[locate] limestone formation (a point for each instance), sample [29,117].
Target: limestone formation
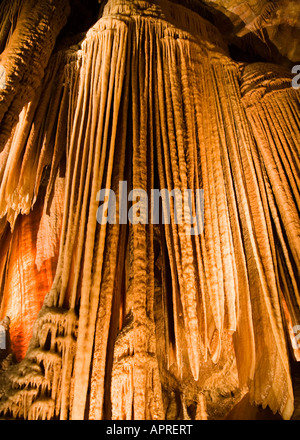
[142,321]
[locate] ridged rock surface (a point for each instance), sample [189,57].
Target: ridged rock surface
[144,321]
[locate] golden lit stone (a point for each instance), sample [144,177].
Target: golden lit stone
[144,321]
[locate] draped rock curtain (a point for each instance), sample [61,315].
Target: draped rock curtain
[125,316]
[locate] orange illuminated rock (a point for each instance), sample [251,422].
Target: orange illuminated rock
[144,321]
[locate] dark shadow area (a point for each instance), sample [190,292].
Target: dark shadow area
[245,411]
[84,14]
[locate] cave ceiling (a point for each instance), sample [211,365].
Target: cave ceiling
[254,29]
[263,28]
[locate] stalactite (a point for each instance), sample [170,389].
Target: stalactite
[9,12]
[26,56]
[274,119]
[151,97]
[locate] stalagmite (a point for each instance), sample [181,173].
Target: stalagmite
[144,321]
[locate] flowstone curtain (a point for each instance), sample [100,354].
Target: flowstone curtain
[136,312]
